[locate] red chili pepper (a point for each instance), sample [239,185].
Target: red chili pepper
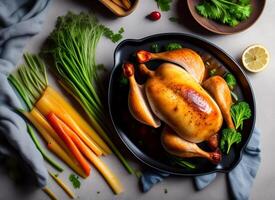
[155,15]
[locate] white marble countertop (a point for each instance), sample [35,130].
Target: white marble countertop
[136,26]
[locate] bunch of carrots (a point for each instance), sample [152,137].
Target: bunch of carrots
[63,129]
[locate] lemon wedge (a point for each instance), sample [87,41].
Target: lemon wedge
[255,58]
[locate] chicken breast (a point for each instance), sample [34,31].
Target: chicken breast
[179,100]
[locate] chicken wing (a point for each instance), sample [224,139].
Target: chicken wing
[137,101]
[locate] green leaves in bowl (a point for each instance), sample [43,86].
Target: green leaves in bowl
[230,12]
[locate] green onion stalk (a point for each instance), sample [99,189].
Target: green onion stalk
[74,41]
[30,81]
[183,163]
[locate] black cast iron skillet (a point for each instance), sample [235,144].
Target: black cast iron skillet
[146,146]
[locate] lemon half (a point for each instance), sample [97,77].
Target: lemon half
[255,58]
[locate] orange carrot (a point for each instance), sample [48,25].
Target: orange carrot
[90,155]
[45,105]
[56,123]
[77,141]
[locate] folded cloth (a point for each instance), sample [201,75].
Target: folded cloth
[19,20]
[240,178]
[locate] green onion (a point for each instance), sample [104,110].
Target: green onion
[43,153]
[74,43]
[184,163]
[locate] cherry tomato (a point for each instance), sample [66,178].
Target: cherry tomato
[155,15]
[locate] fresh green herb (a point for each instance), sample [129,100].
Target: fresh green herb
[173,19]
[121,30]
[225,11]
[213,72]
[165,191]
[230,80]
[240,112]
[229,137]
[115,37]
[123,81]
[164,5]
[173,46]
[184,163]
[75,181]
[74,41]
[155,48]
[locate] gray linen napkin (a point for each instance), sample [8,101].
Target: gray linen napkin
[240,178]
[19,20]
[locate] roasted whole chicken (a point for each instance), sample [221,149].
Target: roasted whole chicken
[177,94]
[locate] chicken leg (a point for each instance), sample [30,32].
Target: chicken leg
[219,90]
[137,101]
[186,58]
[177,146]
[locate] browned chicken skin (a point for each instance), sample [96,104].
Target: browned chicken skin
[137,102]
[186,58]
[219,90]
[173,94]
[182,148]
[179,101]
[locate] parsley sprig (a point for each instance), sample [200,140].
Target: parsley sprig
[164,5]
[115,37]
[75,181]
[230,12]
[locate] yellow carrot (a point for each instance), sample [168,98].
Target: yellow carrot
[34,114]
[110,178]
[50,193]
[62,185]
[54,146]
[53,94]
[47,106]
